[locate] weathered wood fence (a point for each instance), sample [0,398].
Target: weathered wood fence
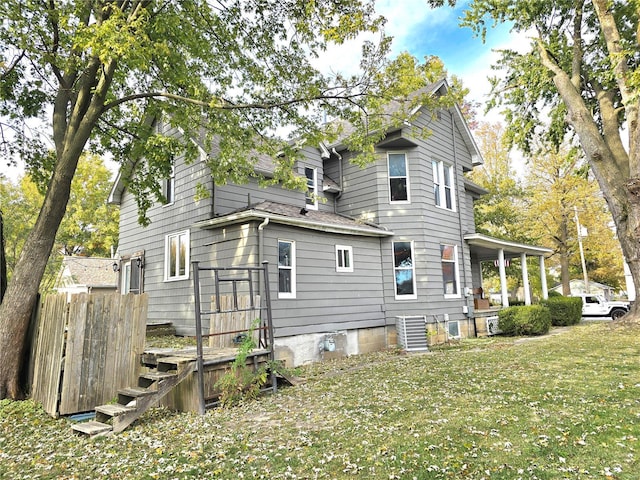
[86,349]
[234,320]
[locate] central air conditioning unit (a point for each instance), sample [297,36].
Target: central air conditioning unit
[412,333]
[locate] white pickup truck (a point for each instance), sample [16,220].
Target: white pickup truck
[598,306]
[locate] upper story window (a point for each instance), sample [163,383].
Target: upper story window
[443,185]
[344,258]
[169,186]
[450,270]
[398,177]
[404,270]
[286,269]
[311,197]
[176,256]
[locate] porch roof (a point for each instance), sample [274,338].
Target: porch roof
[486,248]
[298,217]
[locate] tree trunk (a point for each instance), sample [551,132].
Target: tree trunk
[563,249]
[3,261]
[22,292]
[629,235]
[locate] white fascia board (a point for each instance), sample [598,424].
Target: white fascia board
[249,215]
[497,243]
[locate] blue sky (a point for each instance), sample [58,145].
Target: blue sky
[421,30]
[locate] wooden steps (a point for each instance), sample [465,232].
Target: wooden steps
[163,376]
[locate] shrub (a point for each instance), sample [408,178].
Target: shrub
[242,381]
[524,320]
[564,310]
[554,293]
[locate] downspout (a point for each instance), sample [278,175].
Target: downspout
[341,175]
[212,202]
[464,269]
[261,240]
[261,250]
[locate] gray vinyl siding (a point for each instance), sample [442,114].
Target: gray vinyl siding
[364,189]
[169,301]
[231,197]
[326,300]
[421,221]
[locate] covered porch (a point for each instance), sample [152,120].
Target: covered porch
[497,251]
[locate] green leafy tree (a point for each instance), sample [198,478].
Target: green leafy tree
[561,188]
[499,213]
[227,73]
[580,76]
[89,227]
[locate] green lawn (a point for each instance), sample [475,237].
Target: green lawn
[564,406]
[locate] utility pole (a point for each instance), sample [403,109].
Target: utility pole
[584,265]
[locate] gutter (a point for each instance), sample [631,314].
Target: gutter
[248,215]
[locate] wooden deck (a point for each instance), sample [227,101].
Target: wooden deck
[216,361]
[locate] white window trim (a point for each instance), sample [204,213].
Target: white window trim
[450,322]
[167,256]
[389,177]
[125,276]
[414,296]
[456,270]
[339,254]
[314,192]
[292,267]
[438,179]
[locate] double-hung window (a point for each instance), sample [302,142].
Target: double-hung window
[398,177]
[131,275]
[286,269]
[443,183]
[344,258]
[311,197]
[404,270]
[450,273]
[169,186]
[176,256]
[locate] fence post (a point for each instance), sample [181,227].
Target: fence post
[199,352]
[267,297]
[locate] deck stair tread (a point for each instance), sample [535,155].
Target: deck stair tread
[135,392]
[175,359]
[92,428]
[158,375]
[114,409]
[134,401]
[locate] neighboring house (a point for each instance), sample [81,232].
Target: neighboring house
[393,240]
[576,287]
[86,275]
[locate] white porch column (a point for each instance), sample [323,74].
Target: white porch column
[543,279]
[525,279]
[503,279]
